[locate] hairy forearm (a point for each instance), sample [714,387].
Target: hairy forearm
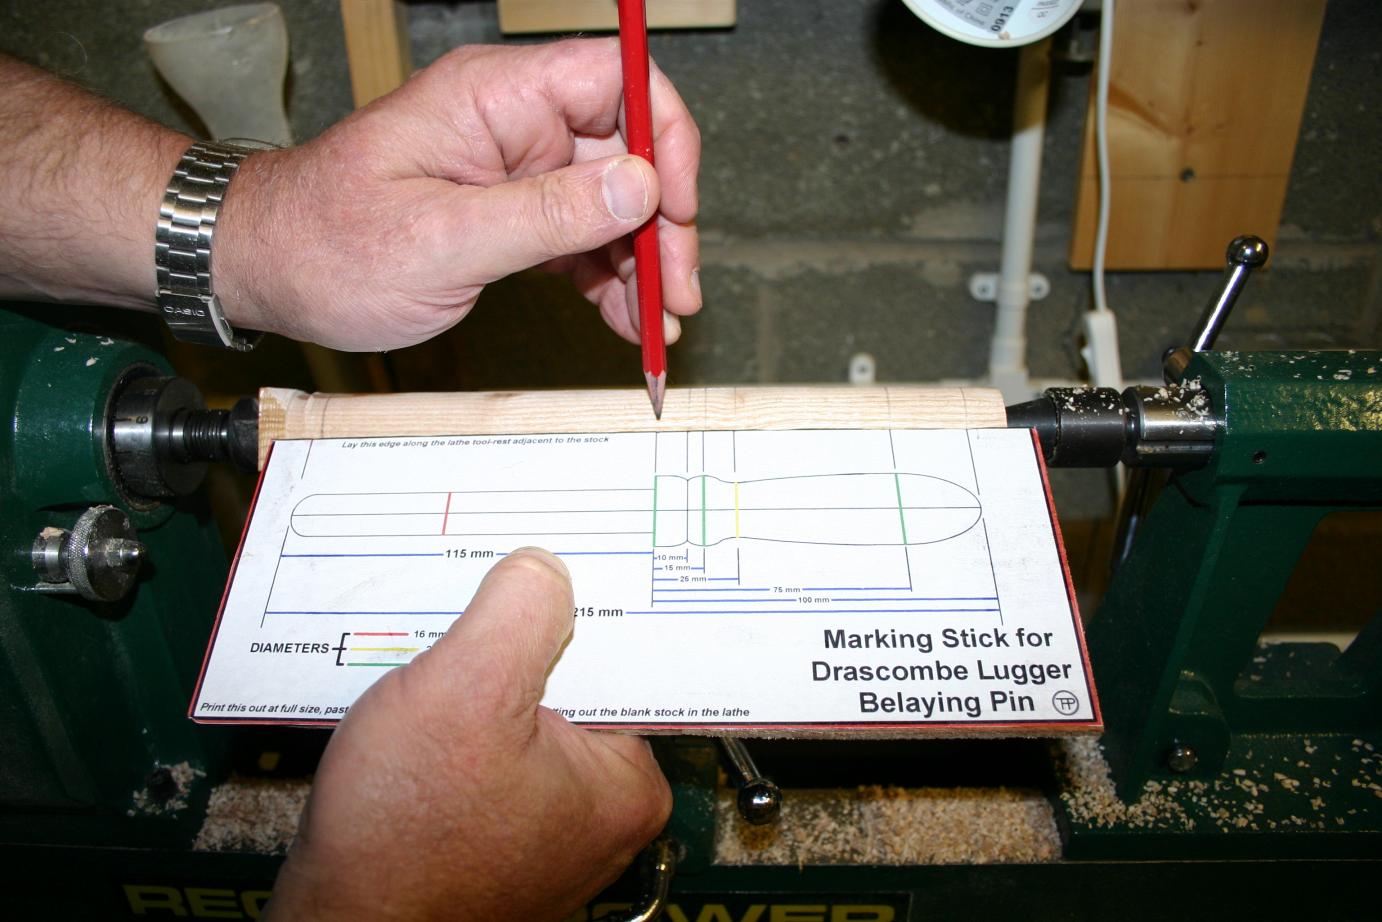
[80,192]
[382,231]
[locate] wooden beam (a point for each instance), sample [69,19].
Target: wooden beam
[1205,102]
[376,36]
[285,413]
[602,16]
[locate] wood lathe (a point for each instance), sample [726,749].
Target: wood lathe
[1225,763]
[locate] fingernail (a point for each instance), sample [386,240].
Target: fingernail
[696,284]
[547,557]
[671,327]
[625,190]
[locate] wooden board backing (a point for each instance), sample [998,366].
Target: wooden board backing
[285,413]
[1205,102]
[517,16]
[376,36]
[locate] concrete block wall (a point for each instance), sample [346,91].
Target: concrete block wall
[854,169]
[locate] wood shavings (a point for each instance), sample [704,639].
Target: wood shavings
[893,826]
[1090,796]
[1233,801]
[253,815]
[166,791]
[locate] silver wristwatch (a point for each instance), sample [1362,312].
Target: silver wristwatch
[182,247]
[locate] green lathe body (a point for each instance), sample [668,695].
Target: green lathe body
[92,697]
[1189,694]
[104,782]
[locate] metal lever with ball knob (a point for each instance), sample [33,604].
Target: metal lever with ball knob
[759,799]
[1174,426]
[1244,254]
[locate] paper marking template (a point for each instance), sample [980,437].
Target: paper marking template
[869,581]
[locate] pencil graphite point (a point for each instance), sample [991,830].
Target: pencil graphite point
[657,386]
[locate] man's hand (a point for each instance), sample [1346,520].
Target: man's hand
[382,232]
[447,792]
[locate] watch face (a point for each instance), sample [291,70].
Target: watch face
[995,23]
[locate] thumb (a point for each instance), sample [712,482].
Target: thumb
[523,223]
[499,652]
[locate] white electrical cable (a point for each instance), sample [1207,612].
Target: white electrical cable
[1100,325]
[1101,150]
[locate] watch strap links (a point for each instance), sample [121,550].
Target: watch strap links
[183,243]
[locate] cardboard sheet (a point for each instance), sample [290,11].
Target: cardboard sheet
[835,582]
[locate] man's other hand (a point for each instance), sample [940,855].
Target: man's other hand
[448,792]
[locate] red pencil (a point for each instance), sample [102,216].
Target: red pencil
[638,118]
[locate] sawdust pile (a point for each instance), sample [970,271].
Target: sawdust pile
[172,796]
[893,826]
[253,815]
[1090,796]
[1230,802]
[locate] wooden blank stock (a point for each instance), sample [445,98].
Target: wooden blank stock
[285,413]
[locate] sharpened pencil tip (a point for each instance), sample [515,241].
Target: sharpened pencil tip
[657,386]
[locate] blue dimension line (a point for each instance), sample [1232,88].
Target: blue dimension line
[437,554]
[726,589]
[724,579]
[855,588]
[364,613]
[602,553]
[804,611]
[774,601]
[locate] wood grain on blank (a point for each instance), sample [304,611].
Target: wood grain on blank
[602,15]
[285,413]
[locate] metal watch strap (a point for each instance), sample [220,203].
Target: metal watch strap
[182,247]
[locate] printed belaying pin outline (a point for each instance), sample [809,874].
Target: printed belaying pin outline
[858,509]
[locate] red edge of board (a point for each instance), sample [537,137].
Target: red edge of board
[221,609]
[1098,721]
[969,728]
